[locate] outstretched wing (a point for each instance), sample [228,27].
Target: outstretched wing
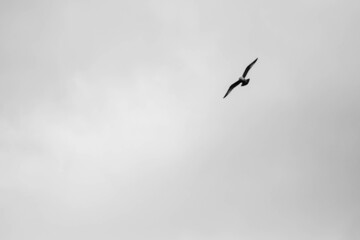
[248,68]
[232,87]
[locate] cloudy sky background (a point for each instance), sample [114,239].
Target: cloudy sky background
[113,126]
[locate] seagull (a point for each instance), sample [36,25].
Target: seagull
[242,79]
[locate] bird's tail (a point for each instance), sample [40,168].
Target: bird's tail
[244,83]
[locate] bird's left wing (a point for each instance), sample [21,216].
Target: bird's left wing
[249,67]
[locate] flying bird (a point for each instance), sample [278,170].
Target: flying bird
[242,79]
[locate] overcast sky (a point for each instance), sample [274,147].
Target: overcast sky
[113,125]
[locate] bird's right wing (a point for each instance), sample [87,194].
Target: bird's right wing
[248,68]
[231,88]
[228,91]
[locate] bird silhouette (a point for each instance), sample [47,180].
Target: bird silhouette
[242,79]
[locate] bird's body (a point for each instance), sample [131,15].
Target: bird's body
[242,79]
